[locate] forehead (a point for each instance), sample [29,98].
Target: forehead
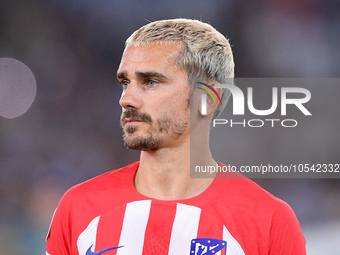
[155,56]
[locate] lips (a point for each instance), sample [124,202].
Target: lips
[132,121]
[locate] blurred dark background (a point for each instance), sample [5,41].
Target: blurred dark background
[71,132]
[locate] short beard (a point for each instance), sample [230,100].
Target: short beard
[143,143]
[154,138]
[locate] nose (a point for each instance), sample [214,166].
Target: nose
[131,97]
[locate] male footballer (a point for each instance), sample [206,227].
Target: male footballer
[153,207]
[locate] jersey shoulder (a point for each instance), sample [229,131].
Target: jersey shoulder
[246,192]
[103,187]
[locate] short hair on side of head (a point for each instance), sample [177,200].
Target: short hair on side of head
[206,54]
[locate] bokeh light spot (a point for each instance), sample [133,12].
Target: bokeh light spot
[17,88]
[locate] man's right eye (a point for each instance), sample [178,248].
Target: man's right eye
[125,84]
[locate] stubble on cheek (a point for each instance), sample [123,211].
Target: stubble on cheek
[174,129]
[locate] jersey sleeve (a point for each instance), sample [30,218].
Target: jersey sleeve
[286,234]
[58,240]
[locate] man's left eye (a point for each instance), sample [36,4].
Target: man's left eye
[152,83]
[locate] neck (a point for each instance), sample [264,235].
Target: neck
[165,174]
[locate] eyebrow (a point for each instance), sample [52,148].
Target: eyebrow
[151,74]
[122,75]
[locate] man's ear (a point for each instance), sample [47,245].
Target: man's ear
[211,104]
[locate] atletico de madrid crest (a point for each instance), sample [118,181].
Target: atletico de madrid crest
[206,246]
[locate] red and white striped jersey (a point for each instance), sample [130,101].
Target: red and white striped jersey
[233,216]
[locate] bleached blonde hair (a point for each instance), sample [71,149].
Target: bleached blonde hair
[206,54]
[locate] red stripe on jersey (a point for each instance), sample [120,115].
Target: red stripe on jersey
[158,229]
[210,227]
[107,234]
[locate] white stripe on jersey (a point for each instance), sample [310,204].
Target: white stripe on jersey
[88,237]
[133,230]
[184,229]
[233,247]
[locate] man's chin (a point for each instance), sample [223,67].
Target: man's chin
[140,147]
[142,144]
